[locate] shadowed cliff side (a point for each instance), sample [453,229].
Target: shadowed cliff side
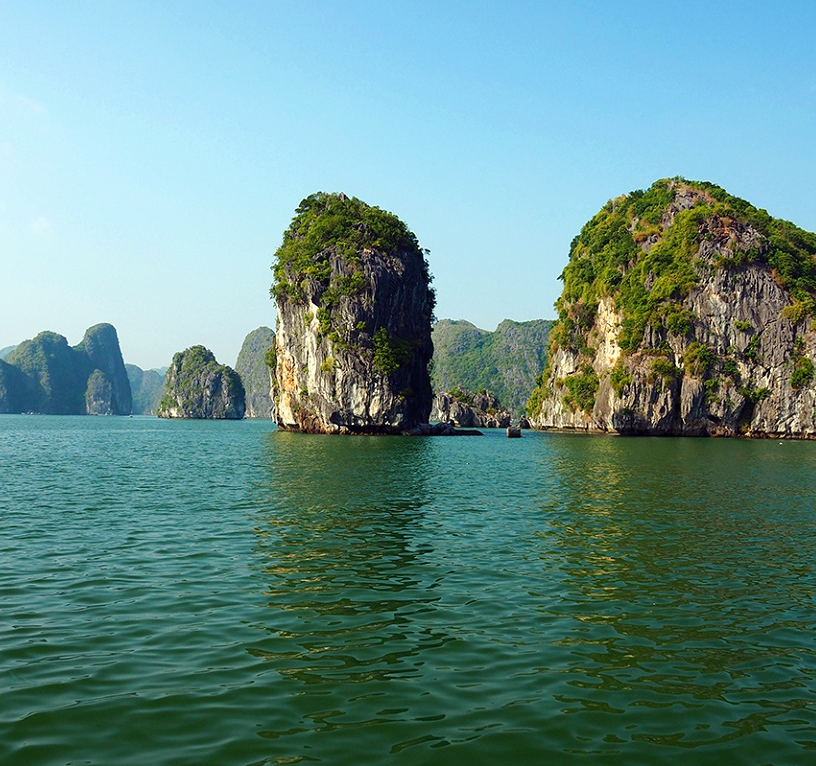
[253,367]
[353,339]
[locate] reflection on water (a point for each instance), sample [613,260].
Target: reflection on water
[691,598]
[341,552]
[559,598]
[187,592]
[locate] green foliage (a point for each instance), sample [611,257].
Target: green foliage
[802,372]
[583,388]
[799,309]
[462,395]
[712,387]
[619,378]
[754,395]
[505,361]
[698,359]
[627,251]
[743,325]
[730,369]
[752,349]
[328,365]
[333,224]
[271,358]
[664,369]
[389,353]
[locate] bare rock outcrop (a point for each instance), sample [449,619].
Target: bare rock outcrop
[685,311]
[467,409]
[353,338]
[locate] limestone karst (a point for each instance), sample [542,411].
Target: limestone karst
[685,311]
[46,375]
[198,387]
[353,338]
[256,375]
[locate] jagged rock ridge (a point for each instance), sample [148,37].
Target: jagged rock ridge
[198,387]
[685,311]
[256,374]
[353,338]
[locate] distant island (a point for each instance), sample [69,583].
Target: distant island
[198,387]
[504,362]
[48,376]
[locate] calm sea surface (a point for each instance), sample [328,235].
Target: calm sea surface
[182,592]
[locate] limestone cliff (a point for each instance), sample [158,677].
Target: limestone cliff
[147,388]
[108,388]
[196,386]
[59,379]
[256,375]
[467,409]
[685,311]
[353,338]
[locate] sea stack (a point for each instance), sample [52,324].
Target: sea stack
[355,306]
[198,387]
[108,391]
[685,311]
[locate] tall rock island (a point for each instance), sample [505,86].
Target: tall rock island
[47,375]
[256,374]
[353,338]
[685,311]
[198,387]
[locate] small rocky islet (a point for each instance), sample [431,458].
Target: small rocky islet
[198,387]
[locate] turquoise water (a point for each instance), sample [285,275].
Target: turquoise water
[181,592]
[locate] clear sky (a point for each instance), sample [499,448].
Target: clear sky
[152,153]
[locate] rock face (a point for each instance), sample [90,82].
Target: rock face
[147,388]
[256,374]
[197,387]
[505,361]
[108,389]
[685,311]
[14,387]
[58,379]
[466,409]
[353,338]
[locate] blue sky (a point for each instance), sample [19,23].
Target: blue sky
[152,153]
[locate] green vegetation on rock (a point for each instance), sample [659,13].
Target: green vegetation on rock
[645,252]
[505,361]
[328,226]
[59,379]
[648,285]
[197,386]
